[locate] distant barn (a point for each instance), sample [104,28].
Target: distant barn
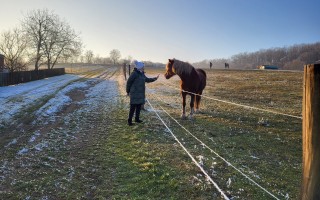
[267,67]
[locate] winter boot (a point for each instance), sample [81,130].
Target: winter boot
[138,120]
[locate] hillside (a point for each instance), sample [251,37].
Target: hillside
[286,58]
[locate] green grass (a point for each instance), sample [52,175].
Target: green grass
[118,162]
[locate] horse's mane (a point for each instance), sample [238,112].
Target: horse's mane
[181,67]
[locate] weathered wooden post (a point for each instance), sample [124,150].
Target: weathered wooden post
[311,133]
[129,69]
[124,68]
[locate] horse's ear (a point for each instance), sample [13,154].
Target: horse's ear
[171,60]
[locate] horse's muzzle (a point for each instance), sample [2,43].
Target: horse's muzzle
[167,76]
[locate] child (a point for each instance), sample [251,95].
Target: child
[136,90]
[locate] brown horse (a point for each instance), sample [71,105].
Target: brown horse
[193,81]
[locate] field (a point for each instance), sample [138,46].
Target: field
[86,150]
[263,145]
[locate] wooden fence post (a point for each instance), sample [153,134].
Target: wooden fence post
[124,69]
[311,133]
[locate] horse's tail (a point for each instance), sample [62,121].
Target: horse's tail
[203,79]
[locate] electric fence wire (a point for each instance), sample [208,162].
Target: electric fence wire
[192,158]
[222,158]
[236,104]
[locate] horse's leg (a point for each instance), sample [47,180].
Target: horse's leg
[197,103]
[192,106]
[199,100]
[183,116]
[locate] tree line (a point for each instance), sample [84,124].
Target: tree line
[286,58]
[44,39]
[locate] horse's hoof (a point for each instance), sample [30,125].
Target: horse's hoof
[183,117]
[191,117]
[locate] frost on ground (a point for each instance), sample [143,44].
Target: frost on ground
[54,125]
[61,99]
[15,98]
[70,118]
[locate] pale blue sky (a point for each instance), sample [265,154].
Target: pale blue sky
[189,30]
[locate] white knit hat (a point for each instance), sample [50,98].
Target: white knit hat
[139,65]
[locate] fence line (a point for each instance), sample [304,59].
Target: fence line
[12,78]
[218,155]
[236,104]
[192,158]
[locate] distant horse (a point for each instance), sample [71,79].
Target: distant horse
[226,65]
[193,81]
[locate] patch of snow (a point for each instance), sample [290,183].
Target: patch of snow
[34,137]
[71,173]
[14,141]
[229,182]
[55,104]
[16,97]
[101,92]
[41,146]
[39,86]
[254,157]
[201,160]
[23,151]
[287,196]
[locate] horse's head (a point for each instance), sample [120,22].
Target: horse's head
[169,71]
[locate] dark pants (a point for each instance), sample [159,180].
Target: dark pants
[137,108]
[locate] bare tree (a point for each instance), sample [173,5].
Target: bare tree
[107,61]
[129,59]
[126,60]
[96,59]
[62,43]
[13,45]
[50,37]
[88,56]
[115,55]
[81,58]
[35,25]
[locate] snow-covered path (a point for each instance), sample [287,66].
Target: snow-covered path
[44,85]
[50,91]
[17,97]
